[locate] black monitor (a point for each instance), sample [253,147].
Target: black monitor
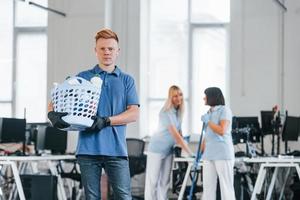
[267,118]
[33,128]
[12,130]
[238,136]
[50,138]
[291,128]
[246,122]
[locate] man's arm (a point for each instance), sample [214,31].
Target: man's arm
[128,116]
[50,106]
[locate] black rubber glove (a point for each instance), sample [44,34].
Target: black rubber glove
[99,124]
[56,119]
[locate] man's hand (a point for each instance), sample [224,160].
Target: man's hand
[205,118]
[56,119]
[99,124]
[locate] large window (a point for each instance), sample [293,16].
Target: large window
[208,68]
[23,60]
[6,57]
[186,46]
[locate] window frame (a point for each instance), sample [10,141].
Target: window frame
[192,27]
[145,76]
[16,31]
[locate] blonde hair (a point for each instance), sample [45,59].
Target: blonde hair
[169,105]
[106,34]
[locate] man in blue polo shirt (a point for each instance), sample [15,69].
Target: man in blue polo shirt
[103,145]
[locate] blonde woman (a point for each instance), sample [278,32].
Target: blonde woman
[160,157]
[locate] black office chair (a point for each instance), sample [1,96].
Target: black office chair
[136,158]
[73,174]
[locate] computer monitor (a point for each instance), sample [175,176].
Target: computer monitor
[50,138]
[247,122]
[291,129]
[267,120]
[33,128]
[12,130]
[238,137]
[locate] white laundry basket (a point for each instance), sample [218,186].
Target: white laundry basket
[79,98]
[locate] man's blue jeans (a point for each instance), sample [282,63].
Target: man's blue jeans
[117,170]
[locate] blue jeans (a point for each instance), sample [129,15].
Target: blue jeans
[117,170]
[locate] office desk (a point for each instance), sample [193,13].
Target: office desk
[188,171]
[269,162]
[12,160]
[265,162]
[16,176]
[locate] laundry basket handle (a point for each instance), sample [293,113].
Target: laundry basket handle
[75,80]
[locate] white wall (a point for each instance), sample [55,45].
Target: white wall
[292,58]
[265,63]
[261,50]
[71,42]
[71,38]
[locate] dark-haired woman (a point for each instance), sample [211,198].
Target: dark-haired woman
[217,147]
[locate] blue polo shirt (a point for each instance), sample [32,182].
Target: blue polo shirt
[219,147]
[162,141]
[118,91]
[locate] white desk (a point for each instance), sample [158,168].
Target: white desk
[11,160]
[188,171]
[16,176]
[269,162]
[265,162]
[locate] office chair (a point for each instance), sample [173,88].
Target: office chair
[73,174]
[136,158]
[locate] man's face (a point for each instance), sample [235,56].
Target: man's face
[107,51]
